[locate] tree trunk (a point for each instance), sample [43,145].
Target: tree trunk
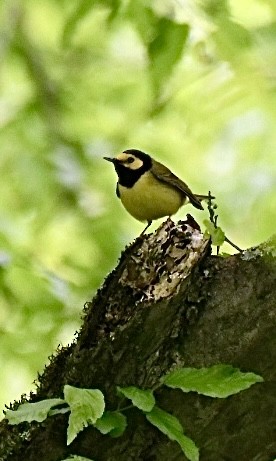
[168,303]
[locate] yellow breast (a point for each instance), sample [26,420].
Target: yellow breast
[150,198]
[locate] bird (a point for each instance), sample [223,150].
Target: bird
[148,189]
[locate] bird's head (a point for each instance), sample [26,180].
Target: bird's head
[131,159]
[131,162]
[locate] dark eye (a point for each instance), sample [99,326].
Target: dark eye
[130,160]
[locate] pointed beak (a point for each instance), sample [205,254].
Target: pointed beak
[109,159]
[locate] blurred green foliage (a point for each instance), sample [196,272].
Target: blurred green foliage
[191,82]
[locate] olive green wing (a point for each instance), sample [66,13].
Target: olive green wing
[163,173]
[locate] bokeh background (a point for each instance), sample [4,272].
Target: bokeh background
[191,82]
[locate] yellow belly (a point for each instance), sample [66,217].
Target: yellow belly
[151,199]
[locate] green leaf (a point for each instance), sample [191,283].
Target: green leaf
[37,411]
[166,48]
[82,10]
[231,39]
[217,381]
[142,399]
[172,428]
[58,411]
[87,405]
[77,458]
[144,19]
[112,422]
[216,233]
[163,38]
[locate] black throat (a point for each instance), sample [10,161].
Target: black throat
[128,177]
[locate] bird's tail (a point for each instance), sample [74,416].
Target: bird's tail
[199,199]
[204,197]
[196,200]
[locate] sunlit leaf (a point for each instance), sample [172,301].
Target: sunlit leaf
[172,428]
[77,458]
[166,49]
[112,423]
[37,411]
[58,411]
[87,405]
[142,399]
[216,381]
[164,40]
[231,38]
[216,233]
[83,9]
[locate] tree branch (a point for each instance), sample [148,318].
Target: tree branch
[167,304]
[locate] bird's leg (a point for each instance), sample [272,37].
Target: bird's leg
[147,226]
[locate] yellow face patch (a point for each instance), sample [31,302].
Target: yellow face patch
[129,161]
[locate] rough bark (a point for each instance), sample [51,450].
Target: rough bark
[168,303]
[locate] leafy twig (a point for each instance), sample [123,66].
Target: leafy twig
[220,235]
